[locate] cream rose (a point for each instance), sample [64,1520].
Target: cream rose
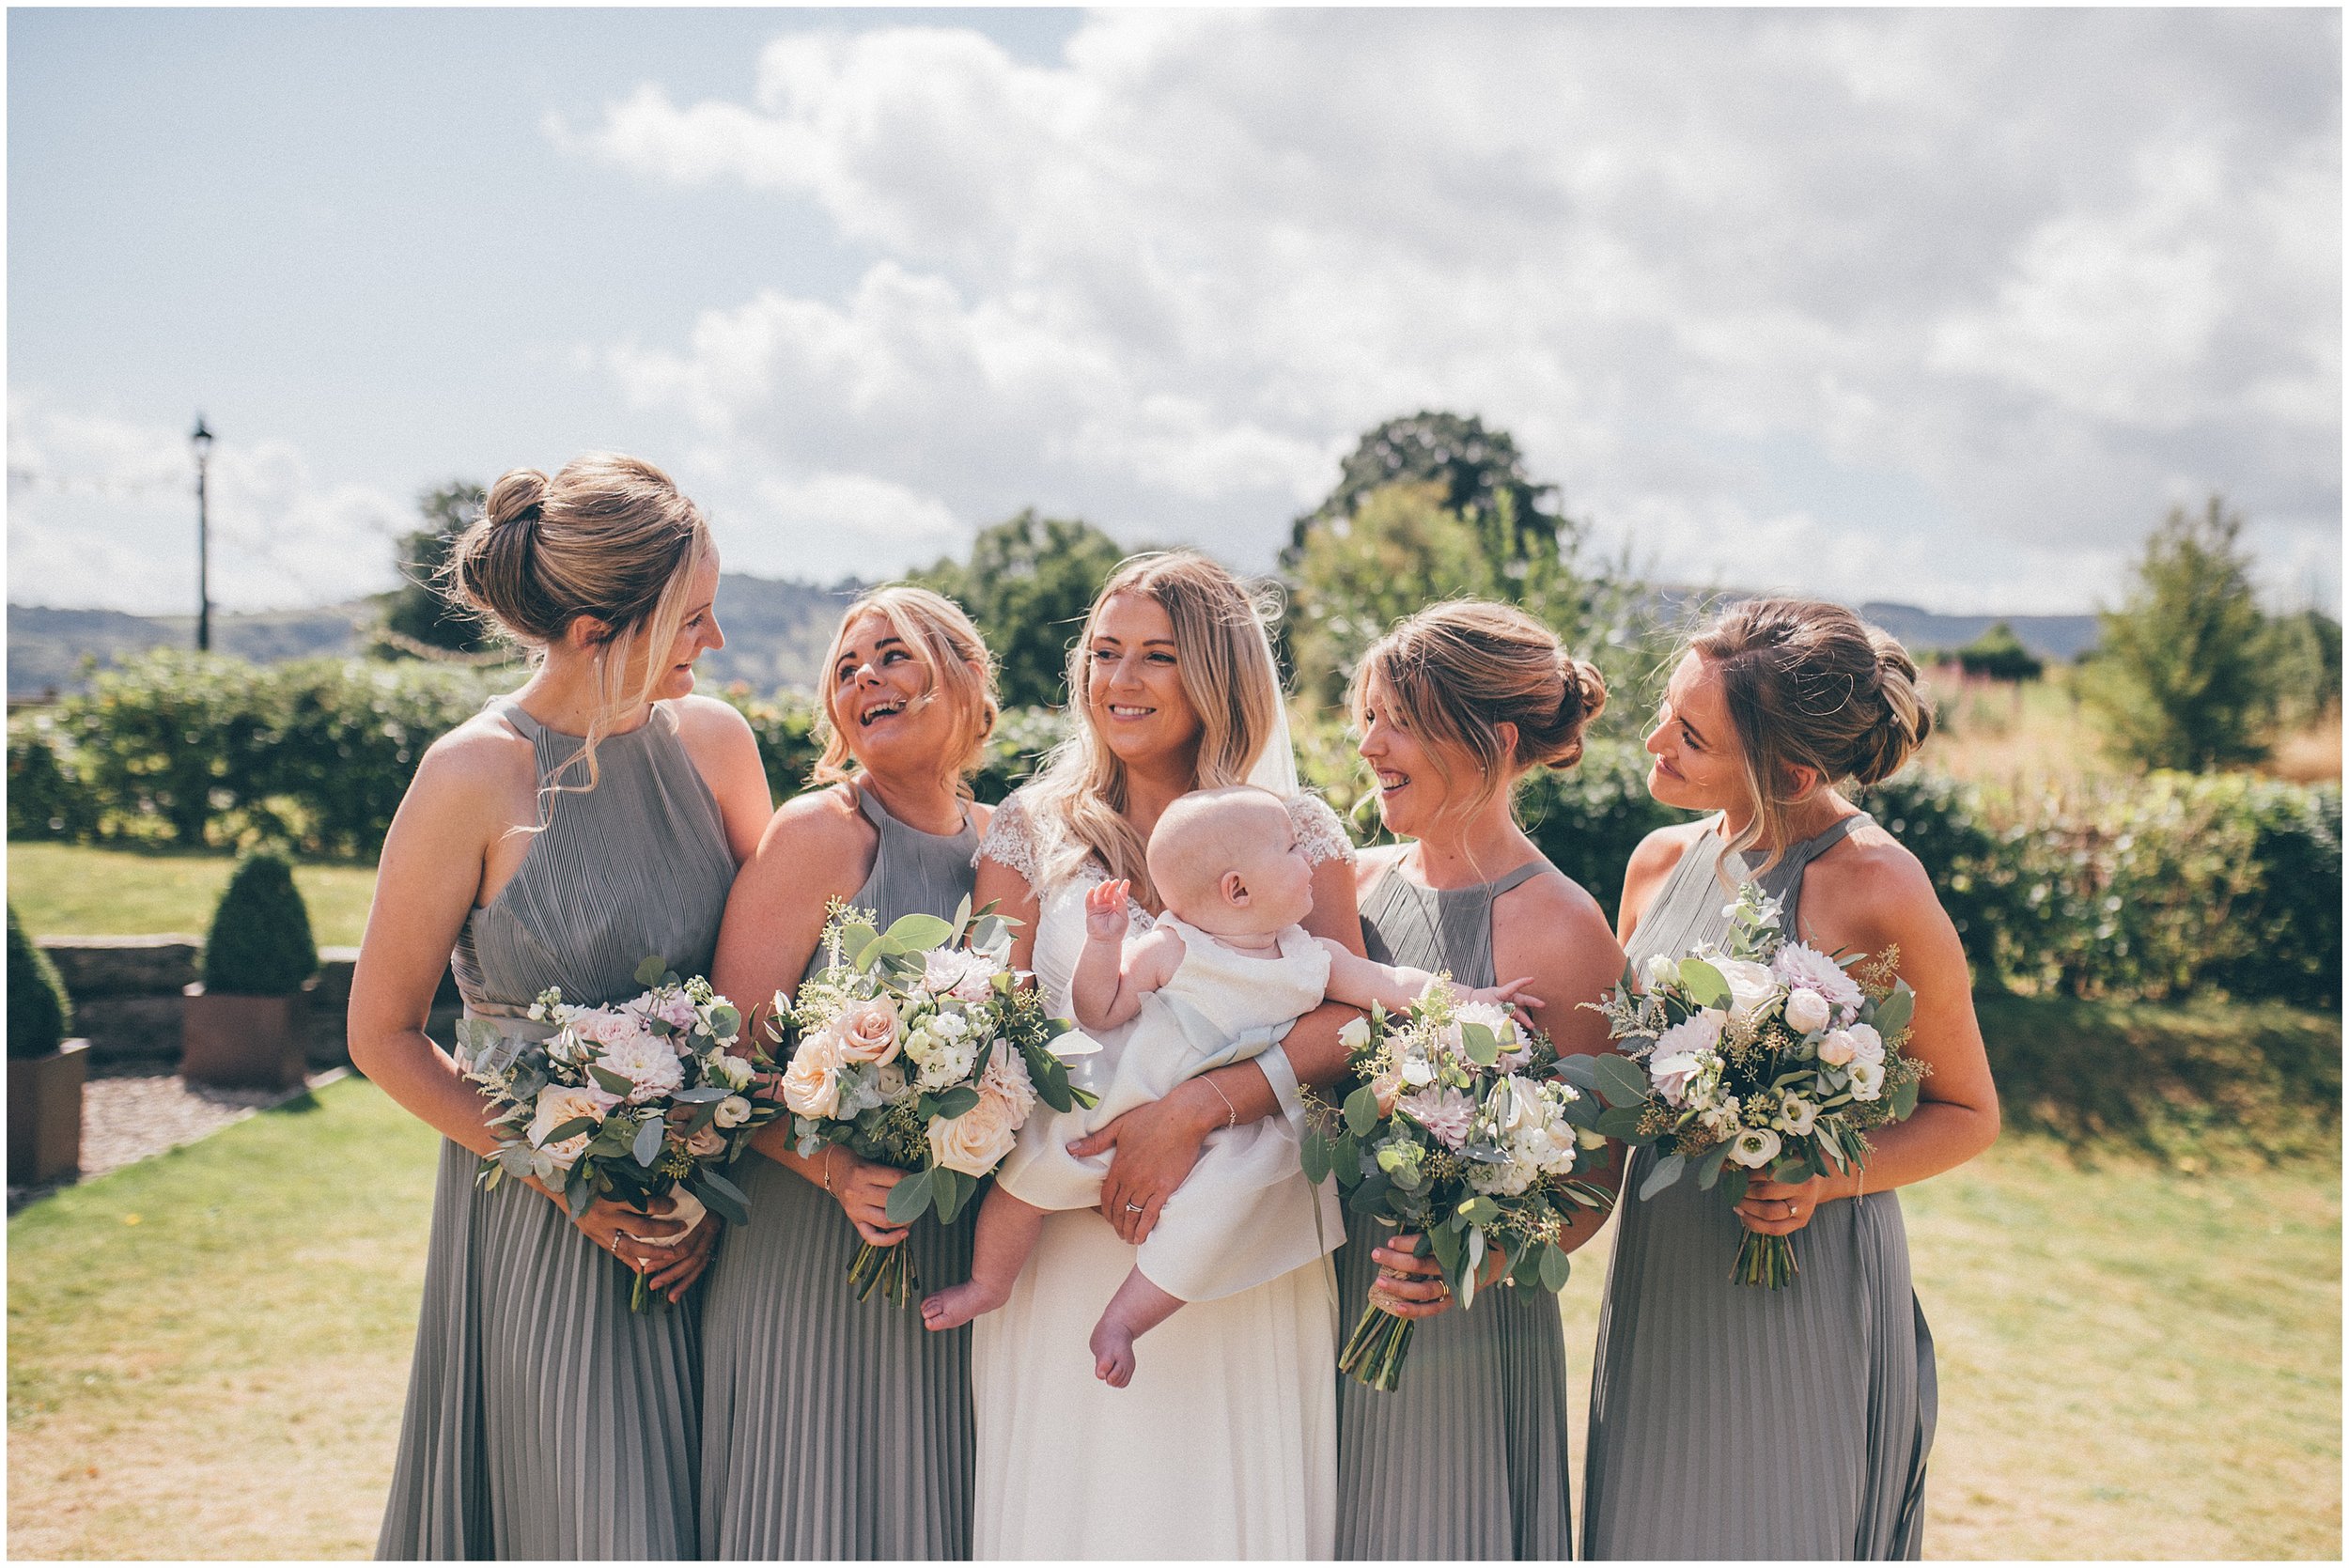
[1751,984]
[1807,1011]
[868,1031]
[976,1141]
[560,1103]
[1866,1044]
[1836,1051]
[811,1084]
[1355,1034]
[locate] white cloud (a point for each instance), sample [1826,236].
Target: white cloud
[102,512]
[1994,287]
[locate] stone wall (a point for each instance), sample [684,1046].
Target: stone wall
[126,993]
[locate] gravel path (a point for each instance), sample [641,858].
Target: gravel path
[128,1116]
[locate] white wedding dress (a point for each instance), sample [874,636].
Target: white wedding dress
[1224,1445]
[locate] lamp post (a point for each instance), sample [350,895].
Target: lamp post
[202,440]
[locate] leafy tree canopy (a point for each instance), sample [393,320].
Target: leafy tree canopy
[417,612]
[2182,674]
[2000,655]
[1027,584]
[1480,474]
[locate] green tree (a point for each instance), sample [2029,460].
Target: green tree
[2000,655]
[1400,549]
[1482,477]
[2182,677]
[2304,659]
[1027,584]
[418,611]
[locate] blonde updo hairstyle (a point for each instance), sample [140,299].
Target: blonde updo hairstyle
[1810,685]
[936,631]
[1224,660]
[1456,672]
[609,537]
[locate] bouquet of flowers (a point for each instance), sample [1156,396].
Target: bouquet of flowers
[640,1100]
[1759,1055]
[922,1053]
[1461,1135]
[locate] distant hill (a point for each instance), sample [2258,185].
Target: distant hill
[2059,637]
[775,634]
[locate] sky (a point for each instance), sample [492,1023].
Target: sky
[1944,307]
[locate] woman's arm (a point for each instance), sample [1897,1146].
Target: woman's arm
[725,753]
[817,848]
[1874,898]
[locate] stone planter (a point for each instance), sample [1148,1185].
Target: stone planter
[243,1042]
[45,1113]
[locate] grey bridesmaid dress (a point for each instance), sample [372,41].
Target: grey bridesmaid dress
[1466,1458]
[544,1419]
[1732,1421]
[833,1428]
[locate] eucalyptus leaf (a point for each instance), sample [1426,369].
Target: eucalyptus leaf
[732,1203]
[1734,1181]
[1621,1082]
[1361,1112]
[651,971]
[1709,1167]
[1893,1012]
[647,1147]
[1580,1071]
[1704,984]
[610,1081]
[950,1188]
[955,1101]
[908,933]
[908,1199]
[1482,1045]
[726,1020]
[1314,1154]
[1555,1268]
[1662,1175]
[1623,1122]
[571,1129]
[1903,1099]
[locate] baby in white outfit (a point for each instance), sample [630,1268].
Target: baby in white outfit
[1227,964]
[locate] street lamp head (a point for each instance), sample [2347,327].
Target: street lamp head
[201,437]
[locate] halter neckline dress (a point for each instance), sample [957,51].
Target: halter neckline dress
[833,1428]
[1733,1422]
[544,1419]
[1468,1457]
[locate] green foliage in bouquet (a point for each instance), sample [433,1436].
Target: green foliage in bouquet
[261,943]
[39,1011]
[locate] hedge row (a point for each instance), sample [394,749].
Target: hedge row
[2175,884]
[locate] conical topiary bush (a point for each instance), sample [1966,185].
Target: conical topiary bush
[249,1023]
[46,1071]
[260,944]
[38,1013]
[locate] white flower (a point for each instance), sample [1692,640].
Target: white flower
[1796,1116]
[648,1062]
[942,968]
[1415,1071]
[732,1112]
[1491,1015]
[949,1026]
[730,1071]
[1753,1148]
[1355,1034]
[1866,1044]
[1662,971]
[1867,1079]
[948,1063]
[890,1083]
[1505,1180]
[1837,1048]
[1807,1011]
[974,1142]
[559,1103]
[811,1084]
[1750,985]
[1721,1120]
[1810,968]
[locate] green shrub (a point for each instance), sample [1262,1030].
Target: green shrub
[1939,820]
[346,739]
[1023,737]
[260,942]
[2291,920]
[47,797]
[39,1011]
[784,725]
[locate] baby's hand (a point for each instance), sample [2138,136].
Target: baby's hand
[1513,992]
[1105,911]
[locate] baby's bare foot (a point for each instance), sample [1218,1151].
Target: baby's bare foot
[956,1305]
[1113,1353]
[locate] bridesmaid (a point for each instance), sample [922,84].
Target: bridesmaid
[1467,1458]
[560,837]
[834,1428]
[1728,1420]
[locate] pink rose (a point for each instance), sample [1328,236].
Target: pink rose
[811,1085]
[707,1142]
[976,1142]
[1386,1089]
[868,1031]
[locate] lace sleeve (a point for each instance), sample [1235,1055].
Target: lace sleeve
[1319,832]
[1009,840]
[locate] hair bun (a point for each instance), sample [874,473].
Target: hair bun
[519,496]
[1907,721]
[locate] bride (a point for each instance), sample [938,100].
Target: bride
[1224,1443]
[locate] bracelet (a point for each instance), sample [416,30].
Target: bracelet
[824,1164]
[1231,1112]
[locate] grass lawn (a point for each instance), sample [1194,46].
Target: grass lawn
[207,1351]
[70,890]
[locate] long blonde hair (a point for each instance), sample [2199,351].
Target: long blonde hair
[1224,660]
[962,671]
[609,537]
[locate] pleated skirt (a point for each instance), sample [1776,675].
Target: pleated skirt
[544,1419]
[832,1429]
[1467,1458]
[1731,1421]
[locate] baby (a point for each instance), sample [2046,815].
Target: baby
[1210,981]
